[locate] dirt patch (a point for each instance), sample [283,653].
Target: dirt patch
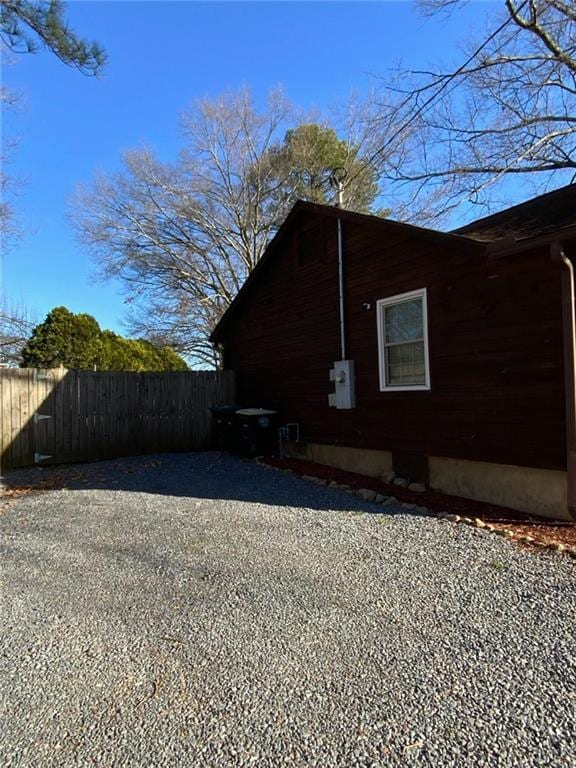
[543,532]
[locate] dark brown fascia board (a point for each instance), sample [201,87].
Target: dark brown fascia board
[511,245]
[410,230]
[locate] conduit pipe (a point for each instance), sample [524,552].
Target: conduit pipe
[341,292]
[569,333]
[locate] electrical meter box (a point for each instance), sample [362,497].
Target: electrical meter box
[344,396]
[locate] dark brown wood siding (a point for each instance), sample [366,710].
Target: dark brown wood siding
[495,336]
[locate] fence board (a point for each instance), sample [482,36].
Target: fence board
[103,415]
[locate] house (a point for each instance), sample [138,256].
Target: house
[447,358]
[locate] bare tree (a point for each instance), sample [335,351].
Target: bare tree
[16,324]
[183,237]
[509,110]
[9,228]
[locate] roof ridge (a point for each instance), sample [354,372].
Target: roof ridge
[407,225]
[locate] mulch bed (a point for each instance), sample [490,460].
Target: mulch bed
[544,532]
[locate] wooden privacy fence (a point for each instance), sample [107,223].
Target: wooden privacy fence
[58,416]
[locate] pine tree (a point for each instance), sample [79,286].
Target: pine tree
[24,25]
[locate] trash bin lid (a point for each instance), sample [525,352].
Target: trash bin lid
[255,412]
[223,409]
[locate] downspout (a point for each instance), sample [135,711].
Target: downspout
[341,292]
[569,334]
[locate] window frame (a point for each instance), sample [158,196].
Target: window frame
[399,298]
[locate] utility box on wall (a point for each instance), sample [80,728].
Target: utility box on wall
[344,396]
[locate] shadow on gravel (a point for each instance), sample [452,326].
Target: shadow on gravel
[206,475]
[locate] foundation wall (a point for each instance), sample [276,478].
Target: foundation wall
[539,492]
[364,461]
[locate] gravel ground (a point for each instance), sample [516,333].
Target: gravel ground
[197,610]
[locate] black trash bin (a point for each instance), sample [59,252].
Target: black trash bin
[225,427]
[257,432]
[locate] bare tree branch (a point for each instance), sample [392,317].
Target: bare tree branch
[510,111]
[182,237]
[16,324]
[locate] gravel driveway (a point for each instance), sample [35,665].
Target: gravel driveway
[195,610]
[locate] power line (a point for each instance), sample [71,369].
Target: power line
[419,111]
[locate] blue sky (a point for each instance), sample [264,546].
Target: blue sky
[163,56]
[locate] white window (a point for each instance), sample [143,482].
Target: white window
[403,342]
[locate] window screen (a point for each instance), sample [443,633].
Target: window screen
[403,341]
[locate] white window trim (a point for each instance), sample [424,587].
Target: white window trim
[400,297]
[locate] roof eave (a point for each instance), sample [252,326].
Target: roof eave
[434,235]
[214,336]
[509,246]
[431,235]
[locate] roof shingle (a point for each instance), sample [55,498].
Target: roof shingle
[541,215]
